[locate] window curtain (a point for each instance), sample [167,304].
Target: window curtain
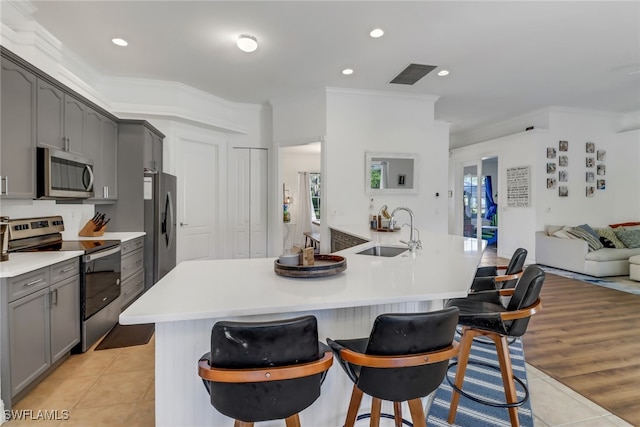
[384,173]
[302,215]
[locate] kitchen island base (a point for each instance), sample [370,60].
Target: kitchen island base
[181,399]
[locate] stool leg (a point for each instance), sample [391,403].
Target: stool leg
[502,347]
[354,405]
[239,423]
[397,413]
[376,407]
[292,421]
[463,358]
[417,413]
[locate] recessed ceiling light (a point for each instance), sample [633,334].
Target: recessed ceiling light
[247,43]
[376,33]
[347,71]
[443,73]
[119,42]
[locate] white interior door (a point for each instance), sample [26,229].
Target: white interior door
[248,202]
[259,203]
[199,194]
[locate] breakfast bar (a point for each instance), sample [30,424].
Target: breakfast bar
[186,303]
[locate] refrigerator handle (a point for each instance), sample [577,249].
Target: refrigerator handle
[169,218]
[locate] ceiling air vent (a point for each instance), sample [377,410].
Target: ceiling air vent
[412,74]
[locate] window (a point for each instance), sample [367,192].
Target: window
[314,184]
[472,200]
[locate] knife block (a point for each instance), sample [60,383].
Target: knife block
[89,230]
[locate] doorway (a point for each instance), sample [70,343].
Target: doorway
[479,200]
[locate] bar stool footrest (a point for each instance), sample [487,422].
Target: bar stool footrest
[484,401]
[383,415]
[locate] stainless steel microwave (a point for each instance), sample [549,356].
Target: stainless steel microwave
[61,174]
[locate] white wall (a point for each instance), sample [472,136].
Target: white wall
[358,122]
[516,225]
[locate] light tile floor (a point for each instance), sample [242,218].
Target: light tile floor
[116,388]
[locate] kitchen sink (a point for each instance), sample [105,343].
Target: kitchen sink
[386,251]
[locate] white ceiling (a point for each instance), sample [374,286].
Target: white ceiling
[505,58]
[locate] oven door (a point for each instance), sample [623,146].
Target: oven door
[100,282]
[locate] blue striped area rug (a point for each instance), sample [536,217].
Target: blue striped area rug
[485,383]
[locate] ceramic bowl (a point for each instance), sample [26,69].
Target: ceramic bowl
[289,259]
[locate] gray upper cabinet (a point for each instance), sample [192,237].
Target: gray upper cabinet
[50,116]
[109,158]
[61,119]
[101,145]
[74,115]
[152,154]
[18,131]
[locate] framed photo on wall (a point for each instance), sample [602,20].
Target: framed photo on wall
[551,168]
[591,162]
[590,147]
[551,153]
[591,177]
[551,183]
[600,155]
[563,145]
[601,170]
[563,191]
[563,161]
[590,191]
[601,184]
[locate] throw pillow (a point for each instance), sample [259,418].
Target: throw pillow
[610,234]
[624,224]
[589,230]
[631,238]
[551,229]
[593,242]
[607,243]
[564,234]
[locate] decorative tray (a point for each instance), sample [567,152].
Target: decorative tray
[324,265]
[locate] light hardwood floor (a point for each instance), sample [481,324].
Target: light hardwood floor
[588,338]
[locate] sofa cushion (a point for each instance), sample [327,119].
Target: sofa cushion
[607,254]
[610,234]
[593,242]
[631,238]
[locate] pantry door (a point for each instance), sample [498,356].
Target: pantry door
[202,182]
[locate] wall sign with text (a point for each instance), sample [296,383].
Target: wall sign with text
[519,186]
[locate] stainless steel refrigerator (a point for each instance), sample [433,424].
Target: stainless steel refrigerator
[160,226]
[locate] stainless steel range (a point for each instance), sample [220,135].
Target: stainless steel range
[99,271]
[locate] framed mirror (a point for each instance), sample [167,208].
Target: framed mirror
[391,173]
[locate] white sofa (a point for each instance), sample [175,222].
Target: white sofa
[574,255]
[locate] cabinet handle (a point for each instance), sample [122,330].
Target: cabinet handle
[182,224]
[54,297]
[66,270]
[35,282]
[6,185]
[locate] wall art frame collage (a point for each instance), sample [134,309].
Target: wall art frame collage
[558,173]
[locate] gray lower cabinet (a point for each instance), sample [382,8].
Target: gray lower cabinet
[18,131]
[131,271]
[40,324]
[341,241]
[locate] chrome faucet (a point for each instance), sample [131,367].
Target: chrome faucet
[412,243]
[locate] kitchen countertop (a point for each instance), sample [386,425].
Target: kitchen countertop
[24,262]
[205,289]
[123,236]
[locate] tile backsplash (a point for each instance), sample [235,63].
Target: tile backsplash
[74,215]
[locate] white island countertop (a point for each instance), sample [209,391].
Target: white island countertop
[207,289]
